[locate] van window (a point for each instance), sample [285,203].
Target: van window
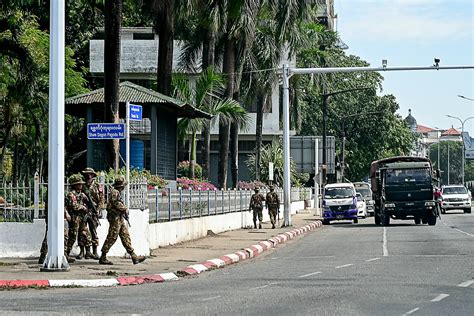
[338,193]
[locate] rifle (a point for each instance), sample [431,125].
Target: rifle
[90,205]
[125,217]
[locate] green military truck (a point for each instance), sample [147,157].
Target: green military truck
[402,188]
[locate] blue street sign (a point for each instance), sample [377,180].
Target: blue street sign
[105,131]
[135,112]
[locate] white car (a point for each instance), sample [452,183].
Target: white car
[361,206]
[455,197]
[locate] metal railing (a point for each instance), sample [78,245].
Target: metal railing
[25,201]
[169,205]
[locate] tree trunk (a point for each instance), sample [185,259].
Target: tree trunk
[208,60]
[258,134]
[228,68]
[165,24]
[113,20]
[205,148]
[234,151]
[208,50]
[192,160]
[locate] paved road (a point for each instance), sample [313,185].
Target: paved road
[342,269]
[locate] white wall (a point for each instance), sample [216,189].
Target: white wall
[24,239]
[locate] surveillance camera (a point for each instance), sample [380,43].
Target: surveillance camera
[384,63]
[437,60]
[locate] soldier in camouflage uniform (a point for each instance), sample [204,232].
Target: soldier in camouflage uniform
[256,205]
[76,206]
[95,195]
[44,244]
[116,214]
[273,205]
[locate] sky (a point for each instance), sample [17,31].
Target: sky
[413,33]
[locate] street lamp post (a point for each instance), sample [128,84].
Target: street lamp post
[326,97]
[462,139]
[463,97]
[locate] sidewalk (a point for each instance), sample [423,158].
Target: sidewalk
[173,259]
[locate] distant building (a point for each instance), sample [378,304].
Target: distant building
[427,136]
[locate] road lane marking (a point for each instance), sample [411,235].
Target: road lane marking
[345,266]
[463,232]
[210,298]
[440,297]
[412,311]
[466,284]
[309,274]
[385,248]
[373,259]
[263,286]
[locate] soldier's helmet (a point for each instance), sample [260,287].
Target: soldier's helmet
[90,171]
[272,188]
[76,179]
[119,182]
[256,189]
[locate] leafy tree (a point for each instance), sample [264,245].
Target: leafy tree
[453,160]
[374,129]
[24,85]
[272,152]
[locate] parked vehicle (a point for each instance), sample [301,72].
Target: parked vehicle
[403,189]
[361,206]
[455,197]
[364,189]
[339,203]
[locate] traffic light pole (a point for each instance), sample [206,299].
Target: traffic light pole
[287,72]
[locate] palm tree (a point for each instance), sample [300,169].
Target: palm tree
[207,95]
[113,26]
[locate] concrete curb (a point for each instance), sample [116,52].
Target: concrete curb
[244,254]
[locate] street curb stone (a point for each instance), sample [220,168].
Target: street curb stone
[244,254]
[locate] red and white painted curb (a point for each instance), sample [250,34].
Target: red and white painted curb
[244,254]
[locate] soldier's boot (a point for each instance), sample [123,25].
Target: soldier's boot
[94,252]
[137,259]
[88,254]
[81,254]
[255,224]
[41,259]
[273,225]
[70,259]
[259,225]
[103,259]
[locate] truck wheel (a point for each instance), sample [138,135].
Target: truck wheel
[467,210]
[377,219]
[356,221]
[326,222]
[385,219]
[431,220]
[417,220]
[424,220]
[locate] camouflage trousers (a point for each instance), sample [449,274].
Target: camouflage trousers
[257,213]
[117,227]
[44,244]
[92,224]
[273,212]
[78,230]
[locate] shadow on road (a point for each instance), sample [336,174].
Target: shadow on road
[372,225]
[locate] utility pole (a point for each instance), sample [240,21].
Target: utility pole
[287,72]
[463,161]
[56,261]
